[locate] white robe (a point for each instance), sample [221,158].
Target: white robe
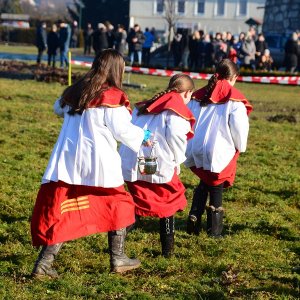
[86,150]
[169,130]
[220,130]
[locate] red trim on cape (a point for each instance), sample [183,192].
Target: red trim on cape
[64,212]
[174,102]
[227,175]
[112,97]
[222,93]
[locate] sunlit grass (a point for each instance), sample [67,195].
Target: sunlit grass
[253,261]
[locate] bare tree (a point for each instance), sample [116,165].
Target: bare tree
[171,18]
[10,6]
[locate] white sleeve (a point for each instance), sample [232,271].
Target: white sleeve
[118,121]
[239,126]
[60,111]
[176,131]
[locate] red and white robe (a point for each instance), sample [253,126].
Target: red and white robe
[82,188]
[221,133]
[161,194]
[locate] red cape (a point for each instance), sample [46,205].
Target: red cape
[222,93]
[112,97]
[171,101]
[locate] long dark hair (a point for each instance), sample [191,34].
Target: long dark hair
[226,69]
[106,71]
[178,83]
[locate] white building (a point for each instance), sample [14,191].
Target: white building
[209,15]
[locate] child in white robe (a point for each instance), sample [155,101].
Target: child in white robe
[82,189]
[221,133]
[170,121]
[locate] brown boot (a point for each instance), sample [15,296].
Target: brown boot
[43,265]
[119,262]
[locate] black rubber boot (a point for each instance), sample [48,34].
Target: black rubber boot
[167,244]
[215,221]
[193,225]
[43,265]
[197,209]
[167,230]
[119,262]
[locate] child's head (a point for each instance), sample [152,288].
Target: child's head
[183,84]
[179,83]
[267,52]
[108,67]
[225,70]
[107,71]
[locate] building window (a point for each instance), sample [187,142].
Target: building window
[160,6]
[181,7]
[200,7]
[220,11]
[242,7]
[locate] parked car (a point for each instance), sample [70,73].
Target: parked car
[276,43]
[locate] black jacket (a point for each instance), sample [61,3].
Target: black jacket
[135,46]
[53,42]
[41,38]
[100,41]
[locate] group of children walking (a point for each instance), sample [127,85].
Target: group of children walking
[82,190]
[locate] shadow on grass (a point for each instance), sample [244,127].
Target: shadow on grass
[283,194]
[263,227]
[273,290]
[293,281]
[213,295]
[15,259]
[280,232]
[12,219]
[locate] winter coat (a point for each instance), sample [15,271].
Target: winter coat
[53,42]
[291,53]
[41,38]
[135,46]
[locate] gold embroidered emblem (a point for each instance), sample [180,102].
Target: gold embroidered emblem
[75,204]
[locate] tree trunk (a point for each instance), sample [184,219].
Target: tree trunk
[169,45]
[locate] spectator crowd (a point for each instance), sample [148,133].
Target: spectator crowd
[200,50]
[191,51]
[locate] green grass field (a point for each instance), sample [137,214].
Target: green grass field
[257,259]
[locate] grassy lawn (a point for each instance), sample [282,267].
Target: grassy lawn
[255,259]
[29,49]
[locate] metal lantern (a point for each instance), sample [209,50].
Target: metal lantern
[148,165]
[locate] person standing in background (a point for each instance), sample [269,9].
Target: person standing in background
[291,53]
[53,43]
[87,37]
[64,42]
[261,45]
[41,41]
[111,37]
[149,39]
[74,35]
[248,50]
[135,40]
[121,36]
[100,41]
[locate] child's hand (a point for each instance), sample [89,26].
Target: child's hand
[147,143]
[147,136]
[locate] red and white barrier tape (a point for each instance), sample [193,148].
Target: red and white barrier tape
[287,80]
